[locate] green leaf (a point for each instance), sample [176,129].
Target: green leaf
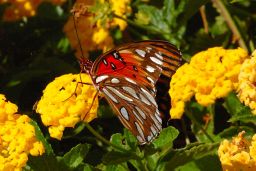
[40,137]
[130,139]
[115,157]
[234,130]
[166,137]
[117,139]
[46,162]
[191,7]
[233,104]
[76,155]
[85,167]
[211,162]
[180,157]
[243,118]
[116,167]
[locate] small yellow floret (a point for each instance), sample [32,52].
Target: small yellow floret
[17,137]
[66,101]
[238,154]
[210,75]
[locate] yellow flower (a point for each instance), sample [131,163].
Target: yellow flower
[23,8]
[210,75]
[246,84]
[66,101]
[95,36]
[17,137]
[238,154]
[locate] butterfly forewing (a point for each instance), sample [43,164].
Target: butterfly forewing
[127,76]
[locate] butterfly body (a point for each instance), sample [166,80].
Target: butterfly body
[127,76]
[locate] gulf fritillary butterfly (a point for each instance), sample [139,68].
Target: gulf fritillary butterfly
[127,76]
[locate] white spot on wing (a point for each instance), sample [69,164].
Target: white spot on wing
[153,129]
[142,114]
[110,95]
[149,96]
[130,80]
[101,78]
[142,98]
[115,80]
[150,68]
[157,123]
[138,117]
[151,80]
[157,61]
[150,137]
[124,113]
[159,56]
[119,94]
[140,139]
[158,118]
[139,129]
[131,91]
[142,53]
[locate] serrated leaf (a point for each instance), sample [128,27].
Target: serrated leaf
[182,156]
[115,157]
[166,137]
[85,167]
[76,155]
[117,139]
[116,167]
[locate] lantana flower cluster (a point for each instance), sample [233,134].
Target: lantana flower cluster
[247,83]
[210,75]
[238,154]
[95,35]
[66,101]
[23,8]
[17,137]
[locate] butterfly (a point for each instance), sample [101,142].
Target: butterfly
[127,75]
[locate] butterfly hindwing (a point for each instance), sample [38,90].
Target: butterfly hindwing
[135,107]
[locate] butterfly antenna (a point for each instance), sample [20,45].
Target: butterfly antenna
[79,42]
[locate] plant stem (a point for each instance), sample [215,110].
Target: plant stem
[101,138]
[230,22]
[193,119]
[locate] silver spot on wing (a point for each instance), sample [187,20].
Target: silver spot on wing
[131,91]
[115,80]
[142,114]
[150,69]
[110,95]
[156,60]
[124,113]
[140,52]
[101,78]
[119,94]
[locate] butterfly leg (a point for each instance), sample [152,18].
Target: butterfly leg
[94,98]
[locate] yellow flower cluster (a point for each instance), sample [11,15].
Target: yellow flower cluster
[210,75]
[23,8]
[17,137]
[238,154]
[95,36]
[247,83]
[66,101]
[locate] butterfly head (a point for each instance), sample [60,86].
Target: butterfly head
[85,65]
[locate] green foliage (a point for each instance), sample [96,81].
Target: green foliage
[34,50]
